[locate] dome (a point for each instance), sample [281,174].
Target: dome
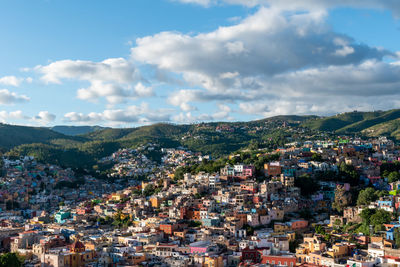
[77,246]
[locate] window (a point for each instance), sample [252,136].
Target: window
[291,264]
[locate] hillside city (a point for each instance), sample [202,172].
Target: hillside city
[330,201]
[200,133]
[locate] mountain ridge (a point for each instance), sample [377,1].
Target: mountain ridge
[214,138]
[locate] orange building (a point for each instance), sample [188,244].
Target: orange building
[272,169]
[168,229]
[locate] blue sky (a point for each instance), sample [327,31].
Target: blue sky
[126,63]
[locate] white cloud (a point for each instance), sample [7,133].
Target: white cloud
[44,117]
[111,79]
[8,98]
[116,70]
[6,116]
[10,81]
[223,113]
[143,91]
[265,44]
[368,86]
[273,62]
[131,114]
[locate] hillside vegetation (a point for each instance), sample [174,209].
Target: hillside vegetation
[215,138]
[12,135]
[352,122]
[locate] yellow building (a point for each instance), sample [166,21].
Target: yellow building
[116,197]
[213,261]
[313,244]
[155,202]
[281,227]
[78,256]
[339,251]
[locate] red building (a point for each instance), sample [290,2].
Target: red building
[282,260]
[253,255]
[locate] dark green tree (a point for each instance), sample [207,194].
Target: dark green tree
[366,196]
[307,185]
[393,177]
[10,260]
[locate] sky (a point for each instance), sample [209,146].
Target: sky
[127,63]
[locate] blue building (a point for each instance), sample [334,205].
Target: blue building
[62,215]
[209,222]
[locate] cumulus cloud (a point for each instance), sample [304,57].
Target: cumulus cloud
[267,43]
[10,81]
[8,98]
[110,70]
[223,113]
[183,98]
[132,114]
[111,79]
[44,117]
[271,63]
[367,86]
[6,116]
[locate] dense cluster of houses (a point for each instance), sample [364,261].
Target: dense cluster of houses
[233,217]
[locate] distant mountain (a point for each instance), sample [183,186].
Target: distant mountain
[352,122]
[389,128]
[76,130]
[13,135]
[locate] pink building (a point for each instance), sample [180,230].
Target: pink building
[202,247]
[248,170]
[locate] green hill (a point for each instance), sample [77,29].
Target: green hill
[12,135]
[214,138]
[352,122]
[76,130]
[390,128]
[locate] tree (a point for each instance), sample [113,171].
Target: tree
[307,185]
[366,215]
[349,174]
[10,260]
[381,217]
[342,199]
[366,196]
[293,245]
[149,190]
[375,218]
[393,177]
[319,229]
[249,229]
[179,173]
[316,157]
